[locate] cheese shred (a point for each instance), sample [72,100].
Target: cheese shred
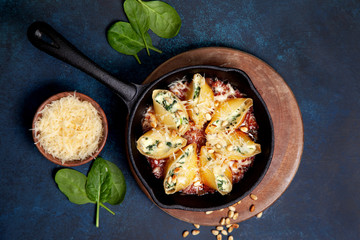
[69,129]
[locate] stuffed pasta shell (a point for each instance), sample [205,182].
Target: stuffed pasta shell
[170,111]
[235,145]
[159,143]
[181,169]
[200,100]
[214,172]
[229,115]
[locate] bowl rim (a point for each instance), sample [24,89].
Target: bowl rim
[82,97]
[148,188]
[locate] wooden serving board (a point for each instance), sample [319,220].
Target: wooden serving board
[286,117]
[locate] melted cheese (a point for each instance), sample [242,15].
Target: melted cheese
[69,129]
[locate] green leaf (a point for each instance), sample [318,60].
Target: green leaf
[118,188]
[98,184]
[72,184]
[138,17]
[122,37]
[164,20]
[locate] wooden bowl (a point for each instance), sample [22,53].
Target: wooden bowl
[82,97]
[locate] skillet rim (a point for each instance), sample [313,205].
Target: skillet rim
[137,99]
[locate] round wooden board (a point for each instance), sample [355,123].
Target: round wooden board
[286,117]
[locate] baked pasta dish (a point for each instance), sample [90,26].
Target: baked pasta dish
[199,136]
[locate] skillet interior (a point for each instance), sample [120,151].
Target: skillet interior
[209,201]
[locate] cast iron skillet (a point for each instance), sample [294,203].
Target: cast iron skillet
[138,97]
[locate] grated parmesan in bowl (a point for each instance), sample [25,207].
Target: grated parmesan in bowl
[70,129]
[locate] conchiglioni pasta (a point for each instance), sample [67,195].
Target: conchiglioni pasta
[181,169]
[202,136]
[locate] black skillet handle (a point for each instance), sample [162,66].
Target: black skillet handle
[45,38]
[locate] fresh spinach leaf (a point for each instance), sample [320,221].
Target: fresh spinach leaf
[122,37]
[164,20]
[72,184]
[118,188]
[98,184]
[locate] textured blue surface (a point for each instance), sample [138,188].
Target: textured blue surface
[314,45]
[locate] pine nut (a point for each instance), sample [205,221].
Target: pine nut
[230,229]
[244,129]
[215,232]
[230,214]
[208,116]
[227,220]
[259,215]
[252,208]
[197,226]
[253,197]
[209,212]
[236,215]
[230,238]
[224,123]
[221,210]
[153,124]
[185,234]
[218,237]
[218,145]
[160,145]
[177,169]
[232,208]
[229,225]
[235,225]
[222,221]
[224,232]
[211,151]
[219,228]
[230,148]
[195,232]
[239,202]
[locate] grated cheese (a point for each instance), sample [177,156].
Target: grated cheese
[69,129]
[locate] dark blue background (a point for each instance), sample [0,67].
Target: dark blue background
[314,45]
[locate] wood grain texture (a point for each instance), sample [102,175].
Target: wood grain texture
[286,117]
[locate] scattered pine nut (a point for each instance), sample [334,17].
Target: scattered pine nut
[235,225]
[252,208]
[232,208]
[211,151]
[197,226]
[227,220]
[218,145]
[239,202]
[208,116]
[236,215]
[215,232]
[230,214]
[230,238]
[209,212]
[229,225]
[253,197]
[218,237]
[230,229]
[185,234]
[221,210]
[222,221]
[224,232]
[230,148]
[219,228]
[259,215]
[195,232]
